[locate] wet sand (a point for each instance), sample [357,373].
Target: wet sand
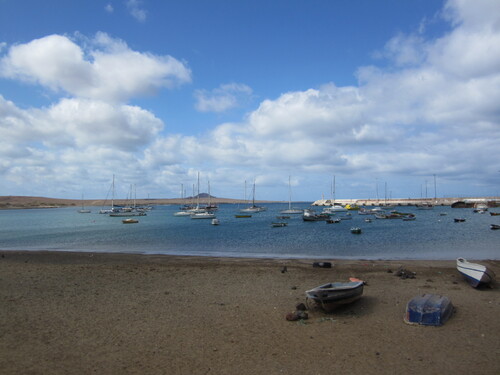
[82,313]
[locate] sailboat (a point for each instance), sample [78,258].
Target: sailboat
[185,208]
[83,210]
[335,207]
[112,209]
[253,208]
[290,210]
[198,212]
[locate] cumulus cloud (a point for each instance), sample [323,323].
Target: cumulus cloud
[438,97]
[223,98]
[107,70]
[432,108]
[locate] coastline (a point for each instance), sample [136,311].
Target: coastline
[70,312]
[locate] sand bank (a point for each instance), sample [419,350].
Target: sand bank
[77,313]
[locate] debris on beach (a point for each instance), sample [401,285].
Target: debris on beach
[322,265]
[284,269]
[297,315]
[403,273]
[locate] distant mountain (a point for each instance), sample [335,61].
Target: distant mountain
[202,196]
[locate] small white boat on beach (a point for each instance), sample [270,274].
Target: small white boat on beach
[476,274]
[331,295]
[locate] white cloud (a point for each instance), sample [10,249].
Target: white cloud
[223,98]
[135,9]
[109,8]
[109,70]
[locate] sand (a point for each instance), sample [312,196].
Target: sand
[83,313]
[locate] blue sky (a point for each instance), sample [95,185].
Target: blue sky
[375,93]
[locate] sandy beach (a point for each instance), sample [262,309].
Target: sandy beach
[81,313]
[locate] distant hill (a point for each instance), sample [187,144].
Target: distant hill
[19,202]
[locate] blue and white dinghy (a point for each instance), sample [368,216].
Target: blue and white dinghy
[476,274]
[428,310]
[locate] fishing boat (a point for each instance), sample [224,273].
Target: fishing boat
[290,210]
[331,295]
[494,226]
[130,221]
[429,310]
[476,274]
[333,221]
[356,230]
[310,215]
[459,220]
[494,213]
[242,216]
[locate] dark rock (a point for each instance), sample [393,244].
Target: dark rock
[301,307]
[322,265]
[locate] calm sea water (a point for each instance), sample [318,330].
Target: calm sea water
[430,236]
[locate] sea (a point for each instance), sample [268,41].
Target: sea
[433,235]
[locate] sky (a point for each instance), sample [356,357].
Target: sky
[389,98]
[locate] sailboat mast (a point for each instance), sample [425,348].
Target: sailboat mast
[113,193]
[289,194]
[198,192]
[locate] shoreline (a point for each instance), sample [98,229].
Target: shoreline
[234,258]
[116,313]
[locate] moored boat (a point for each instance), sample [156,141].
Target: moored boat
[130,221]
[356,230]
[310,215]
[428,309]
[203,215]
[459,220]
[494,226]
[277,225]
[331,295]
[476,274]
[215,221]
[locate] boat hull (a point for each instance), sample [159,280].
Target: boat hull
[429,310]
[332,295]
[476,274]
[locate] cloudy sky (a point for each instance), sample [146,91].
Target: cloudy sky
[387,96]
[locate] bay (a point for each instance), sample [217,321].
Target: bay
[433,235]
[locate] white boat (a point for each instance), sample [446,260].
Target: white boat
[334,209]
[476,274]
[183,213]
[203,215]
[253,208]
[290,210]
[215,221]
